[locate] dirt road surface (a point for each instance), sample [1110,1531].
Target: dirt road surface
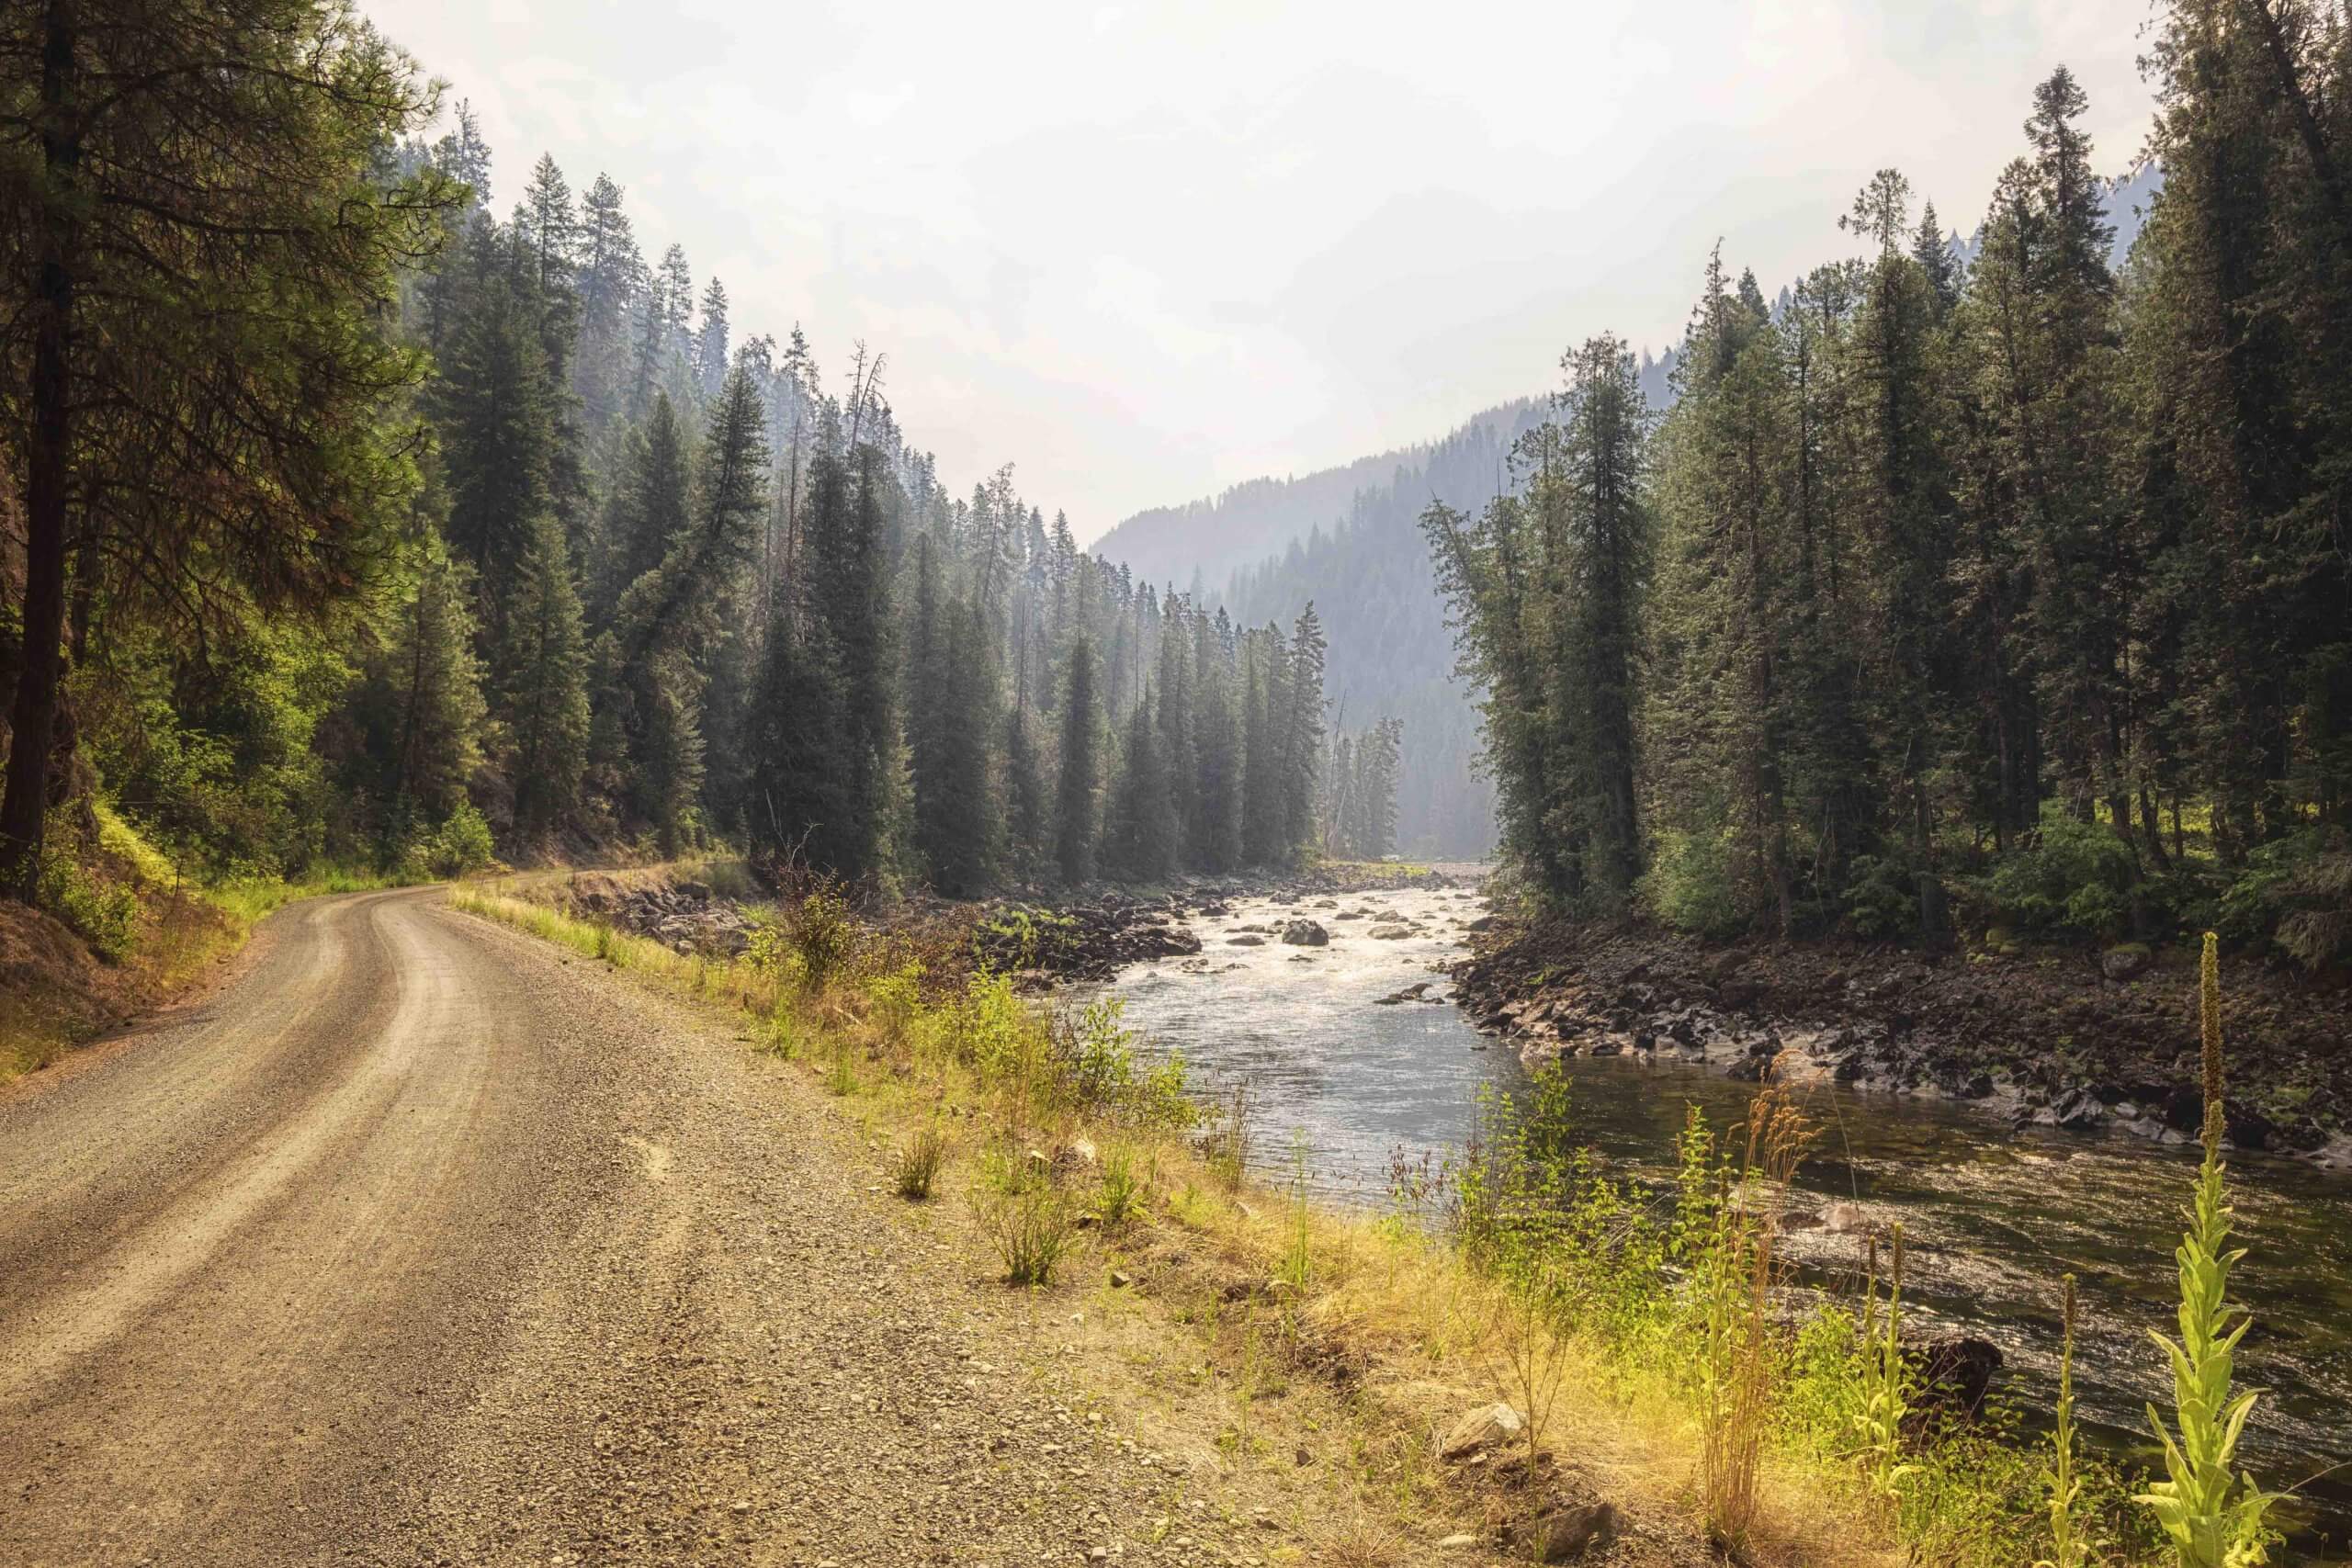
[424,1243]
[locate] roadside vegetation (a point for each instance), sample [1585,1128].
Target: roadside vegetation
[125,928]
[1651,1345]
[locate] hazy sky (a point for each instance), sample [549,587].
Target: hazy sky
[1143,252]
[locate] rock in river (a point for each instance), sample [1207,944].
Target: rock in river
[1305,934]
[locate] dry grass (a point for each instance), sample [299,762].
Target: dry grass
[55,994]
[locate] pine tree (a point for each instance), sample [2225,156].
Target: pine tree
[546,228]
[710,339]
[609,265]
[845,602]
[496,410]
[1302,733]
[542,683]
[1074,809]
[649,505]
[195,364]
[1025,814]
[1139,840]
[1605,450]
[1174,690]
[1215,845]
[419,707]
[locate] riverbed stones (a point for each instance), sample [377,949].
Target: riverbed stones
[686,916]
[1247,939]
[1305,934]
[2126,962]
[1390,933]
[1844,1219]
[1479,1430]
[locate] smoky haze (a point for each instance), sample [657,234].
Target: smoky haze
[1147,252]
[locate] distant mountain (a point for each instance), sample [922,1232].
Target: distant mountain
[1205,541]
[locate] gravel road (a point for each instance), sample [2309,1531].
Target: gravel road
[424,1243]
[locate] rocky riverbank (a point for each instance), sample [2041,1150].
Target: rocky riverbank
[2064,1038]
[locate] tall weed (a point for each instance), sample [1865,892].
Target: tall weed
[2212,1517]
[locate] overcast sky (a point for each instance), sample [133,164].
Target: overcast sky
[1143,252]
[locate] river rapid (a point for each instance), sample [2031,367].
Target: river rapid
[1993,1217]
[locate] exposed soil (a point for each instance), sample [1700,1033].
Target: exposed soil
[2056,1037]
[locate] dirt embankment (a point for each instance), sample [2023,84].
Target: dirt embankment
[56,993]
[2067,1038]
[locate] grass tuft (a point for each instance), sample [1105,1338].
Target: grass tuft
[919,1160]
[1032,1229]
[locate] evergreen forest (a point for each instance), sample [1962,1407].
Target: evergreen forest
[2012,590]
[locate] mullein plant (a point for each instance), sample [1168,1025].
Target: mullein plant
[2068,1549]
[1886,1378]
[2213,1519]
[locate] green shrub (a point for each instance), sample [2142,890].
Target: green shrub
[1023,939]
[1690,884]
[2075,878]
[919,1158]
[1096,1071]
[102,912]
[1881,898]
[2296,894]
[461,844]
[822,931]
[1124,1186]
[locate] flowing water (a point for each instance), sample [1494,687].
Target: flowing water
[1992,1217]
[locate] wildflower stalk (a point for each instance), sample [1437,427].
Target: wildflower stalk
[2067,1546]
[2213,1518]
[1883,1406]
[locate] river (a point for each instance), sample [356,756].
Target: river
[1992,1217]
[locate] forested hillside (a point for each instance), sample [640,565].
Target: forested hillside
[2021,588]
[380,505]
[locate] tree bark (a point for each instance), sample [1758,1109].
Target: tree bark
[48,456]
